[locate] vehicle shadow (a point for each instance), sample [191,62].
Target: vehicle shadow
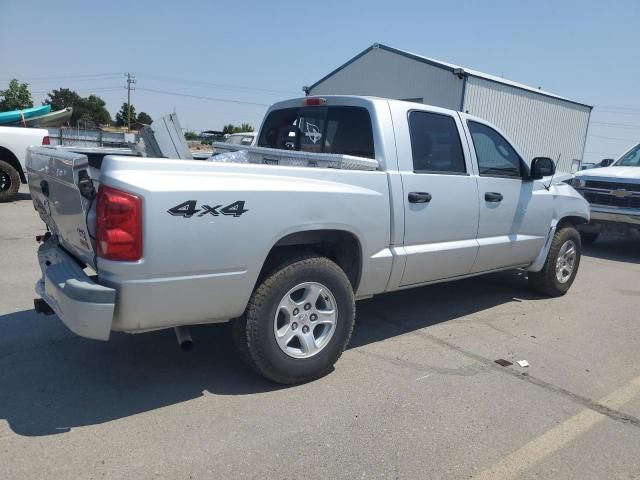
[20,196]
[616,248]
[53,381]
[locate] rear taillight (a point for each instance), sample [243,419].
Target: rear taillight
[45,140]
[118,225]
[314,101]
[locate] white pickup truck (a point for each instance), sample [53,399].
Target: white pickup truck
[614,195]
[13,149]
[138,244]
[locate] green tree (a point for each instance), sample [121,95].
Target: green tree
[230,128]
[91,109]
[61,99]
[88,111]
[16,97]
[144,118]
[122,115]
[190,135]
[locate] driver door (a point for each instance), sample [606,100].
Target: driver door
[515,213]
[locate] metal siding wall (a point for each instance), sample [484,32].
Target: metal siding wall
[537,124]
[385,74]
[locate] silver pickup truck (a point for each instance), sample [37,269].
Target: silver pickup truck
[137,243]
[614,195]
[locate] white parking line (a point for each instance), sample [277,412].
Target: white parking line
[556,438]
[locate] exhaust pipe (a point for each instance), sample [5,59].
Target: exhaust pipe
[184,338]
[40,306]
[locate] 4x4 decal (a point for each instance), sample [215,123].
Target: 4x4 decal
[188,209]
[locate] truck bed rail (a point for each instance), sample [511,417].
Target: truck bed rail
[292,158]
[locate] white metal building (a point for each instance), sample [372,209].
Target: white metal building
[539,123]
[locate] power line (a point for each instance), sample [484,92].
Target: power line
[616,112]
[95,89]
[200,97]
[62,77]
[612,138]
[599,153]
[610,124]
[613,107]
[220,85]
[68,82]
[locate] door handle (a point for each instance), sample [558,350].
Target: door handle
[44,187]
[419,197]
[494,197]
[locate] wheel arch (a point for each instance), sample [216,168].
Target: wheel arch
[341,246]
[573,220]
[570,220]
[9,157]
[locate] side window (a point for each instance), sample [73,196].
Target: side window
[496,157]
[435,143]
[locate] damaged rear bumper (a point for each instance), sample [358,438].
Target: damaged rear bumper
[84,306]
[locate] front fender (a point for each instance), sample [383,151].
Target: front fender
[568,205]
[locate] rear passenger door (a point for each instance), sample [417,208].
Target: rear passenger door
[440,195]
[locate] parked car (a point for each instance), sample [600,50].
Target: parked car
[13,148]
[587,166]
[417,195]
[244,138]
[613,193]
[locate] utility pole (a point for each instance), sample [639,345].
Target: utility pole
[130,79]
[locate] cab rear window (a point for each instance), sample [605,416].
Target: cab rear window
[339,129]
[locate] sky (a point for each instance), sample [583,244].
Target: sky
[216,63]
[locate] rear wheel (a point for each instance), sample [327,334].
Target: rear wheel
[561,265]
[9,182]
[589,237]
[298,321]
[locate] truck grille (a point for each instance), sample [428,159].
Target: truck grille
[609,200]
[629,187]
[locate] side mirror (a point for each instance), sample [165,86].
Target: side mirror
[542,167]
[606,162]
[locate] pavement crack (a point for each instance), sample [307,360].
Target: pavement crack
[584,401]
[400,328]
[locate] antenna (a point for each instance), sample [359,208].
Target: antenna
[554,172]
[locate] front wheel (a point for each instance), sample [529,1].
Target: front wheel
[298,322]
[9,182]
[561,266]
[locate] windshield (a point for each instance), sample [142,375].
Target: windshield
[631,158]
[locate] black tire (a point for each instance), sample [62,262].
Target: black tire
[546,281]
[238,329]
[589,238]
[9,182]
[254,332]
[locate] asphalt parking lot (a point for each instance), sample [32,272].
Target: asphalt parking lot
[416,395]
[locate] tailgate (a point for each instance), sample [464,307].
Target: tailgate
[55,181]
